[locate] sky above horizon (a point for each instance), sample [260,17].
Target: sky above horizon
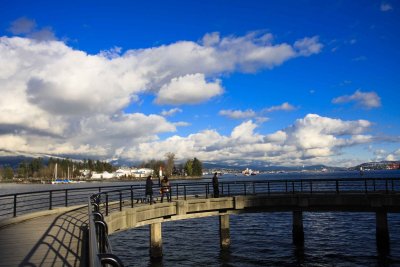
[234,82]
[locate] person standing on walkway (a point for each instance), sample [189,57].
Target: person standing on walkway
[149,190]
[165,189]
[215,184]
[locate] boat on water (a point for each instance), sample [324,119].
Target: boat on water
[57,180]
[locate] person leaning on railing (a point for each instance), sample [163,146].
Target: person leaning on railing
[165,189]
[149,190]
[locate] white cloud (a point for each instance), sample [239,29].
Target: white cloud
[285,107]
[310,140]
[171,112]
[56,99]
[188,89]
[386,7]
[238,114]
[363,99]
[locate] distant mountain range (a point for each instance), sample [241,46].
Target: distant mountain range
[14,161]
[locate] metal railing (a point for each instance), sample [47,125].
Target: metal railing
[100,251]
[13,205]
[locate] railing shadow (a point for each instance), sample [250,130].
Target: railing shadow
[63,243]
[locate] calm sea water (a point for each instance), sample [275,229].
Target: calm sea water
[265,239]
[260,239]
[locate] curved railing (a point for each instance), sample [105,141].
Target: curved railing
[13,205]
[106,199]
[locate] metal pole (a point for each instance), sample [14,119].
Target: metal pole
[106,204]
[66,197]
[131,197]
[15,205]
[184,191]
[120,200]
[50,200]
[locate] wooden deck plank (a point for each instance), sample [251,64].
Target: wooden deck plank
[53,240]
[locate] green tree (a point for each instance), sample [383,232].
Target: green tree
[197,167]
[8,173]
[189,167]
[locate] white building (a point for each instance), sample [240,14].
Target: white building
[142,172]
[122,172]
[103,175]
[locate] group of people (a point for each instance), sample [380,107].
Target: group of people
[165,189]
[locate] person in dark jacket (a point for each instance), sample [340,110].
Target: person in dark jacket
[215,184]
[149,190]
[165,189]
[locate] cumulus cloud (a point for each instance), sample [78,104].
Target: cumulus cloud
[386,7]
[22,26]
[310,140]
[284,106]
[366,100]
[60,100]
[238,114]
[188,89]
[28,27]
[171,112]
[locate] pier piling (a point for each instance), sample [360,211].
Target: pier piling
[298,231]
[382,231]
[224,235]
[155,241]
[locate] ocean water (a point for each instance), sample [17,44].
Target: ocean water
[265,239]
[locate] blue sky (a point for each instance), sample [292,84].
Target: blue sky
[275,83]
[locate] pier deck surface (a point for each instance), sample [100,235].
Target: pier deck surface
[51,240]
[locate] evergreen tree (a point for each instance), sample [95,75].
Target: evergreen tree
[189,167]
[197,167]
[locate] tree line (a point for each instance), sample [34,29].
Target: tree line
[39,168]
[192,167]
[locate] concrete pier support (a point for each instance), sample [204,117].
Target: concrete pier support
[382,231]
[224,235]
[298,231]
[155,240]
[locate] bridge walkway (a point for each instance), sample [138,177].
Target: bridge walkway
[51,240]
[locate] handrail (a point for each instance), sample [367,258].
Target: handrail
[100,252]
[16,204]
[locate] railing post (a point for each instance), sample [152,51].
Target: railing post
[131,197]
[177,191]
[120,200]
[301,186]
[50,200]
[366,186]
[386,185]
[222,189]
[286,186]
[184,191]
[229,190]
[373,181]
[66,197]
[292,187]
[311,190]
[15,205]
[245,189]
[207,190]
[337,186]
[269,189]
[106,204]
[254,188]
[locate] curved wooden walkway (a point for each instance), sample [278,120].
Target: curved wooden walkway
[51,240]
